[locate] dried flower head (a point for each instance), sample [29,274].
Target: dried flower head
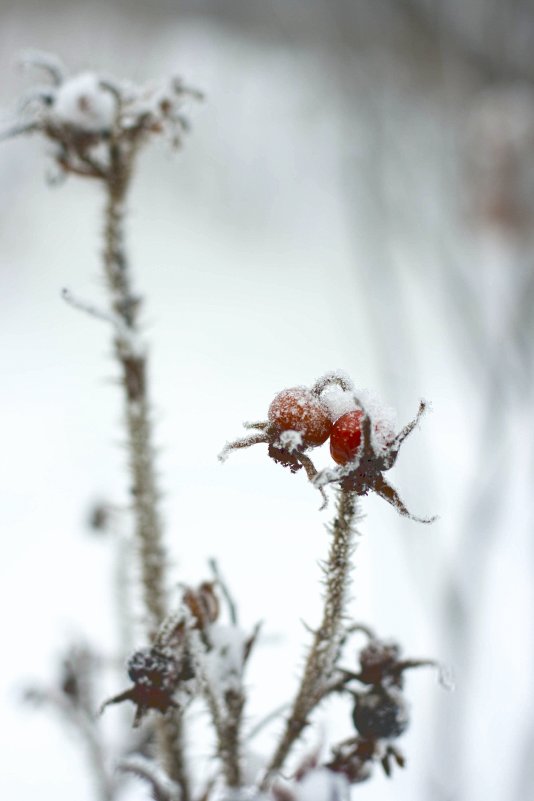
[85,115]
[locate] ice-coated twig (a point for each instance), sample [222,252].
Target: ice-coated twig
[333,378]
[325,648]
[245,442]
[225,708]
[133,365]
[261,425]
[144,489]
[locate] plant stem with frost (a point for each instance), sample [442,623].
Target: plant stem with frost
[133,363]
[144,490]
[225,709]
[328,638]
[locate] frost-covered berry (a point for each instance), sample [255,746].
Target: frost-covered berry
[346,436]
[380,714]
[298,409]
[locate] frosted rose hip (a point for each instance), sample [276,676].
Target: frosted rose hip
[346,436]
[298,409]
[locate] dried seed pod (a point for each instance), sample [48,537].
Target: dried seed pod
[380,714]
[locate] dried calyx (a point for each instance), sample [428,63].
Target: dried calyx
[191,649]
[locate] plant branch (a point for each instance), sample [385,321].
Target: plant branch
[133,363]
[144,491]
[328,638]
[225,708]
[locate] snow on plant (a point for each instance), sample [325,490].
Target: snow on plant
[362,441]
[96,124]
[197,652]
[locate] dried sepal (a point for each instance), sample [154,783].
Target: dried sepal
[362,462]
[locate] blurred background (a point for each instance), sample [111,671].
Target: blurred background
[357,192]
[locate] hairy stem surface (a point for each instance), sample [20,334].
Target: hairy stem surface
[133,364]
[324,650]
[141,454]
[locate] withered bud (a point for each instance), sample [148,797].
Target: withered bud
[203,604]
[380,714]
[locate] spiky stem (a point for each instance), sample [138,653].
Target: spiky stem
[133,363]
[132,360]
[227,725]
[328,638]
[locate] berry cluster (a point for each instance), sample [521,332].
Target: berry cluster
[299,419]
[380,712]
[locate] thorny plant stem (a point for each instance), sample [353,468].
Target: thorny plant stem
[328,638]
[229,744]
[133,365]
[227,724]
[144,491]
[226,713]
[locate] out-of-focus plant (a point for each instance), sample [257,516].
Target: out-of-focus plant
[191,654]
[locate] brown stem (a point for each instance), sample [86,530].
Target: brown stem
[133,363]
[325,648]
[144,490]
[226,711]
[227,724]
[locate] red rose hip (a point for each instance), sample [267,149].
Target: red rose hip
[298,409]
[346,436]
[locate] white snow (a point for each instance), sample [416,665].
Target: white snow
[323,785]
[338,401]
[290,440]
[224,663]
[83,103]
